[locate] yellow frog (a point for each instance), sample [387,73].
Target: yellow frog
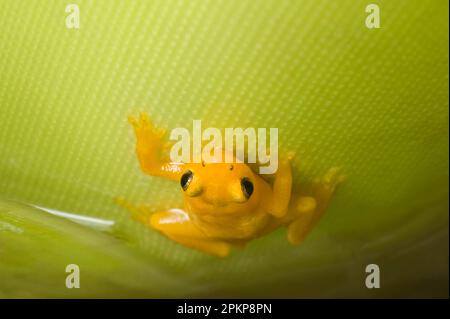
[226,204]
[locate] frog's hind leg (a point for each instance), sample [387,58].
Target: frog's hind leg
[211,247]
[309,209]
[176,225]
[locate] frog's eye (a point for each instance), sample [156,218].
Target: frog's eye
[247,187]
[186,179]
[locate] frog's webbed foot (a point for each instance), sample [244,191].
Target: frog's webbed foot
[325,187]
[149,138]
[311,208]
[151,148]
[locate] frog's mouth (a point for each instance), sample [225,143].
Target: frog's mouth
[214,203]
[222,205]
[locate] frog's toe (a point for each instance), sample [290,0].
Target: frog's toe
[290,156]
[299,229]
[133,121]
[306,204]
[145,118]
[333,177]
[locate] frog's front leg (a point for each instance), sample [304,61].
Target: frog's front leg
[152,150]
[281,190]
[177,225]
[309,210]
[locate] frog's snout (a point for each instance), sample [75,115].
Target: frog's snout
[195,189]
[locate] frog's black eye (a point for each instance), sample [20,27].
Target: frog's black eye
[247,187]
[186,179]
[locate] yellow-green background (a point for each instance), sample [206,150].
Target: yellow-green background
[372,101]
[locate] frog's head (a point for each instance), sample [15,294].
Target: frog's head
[217,187]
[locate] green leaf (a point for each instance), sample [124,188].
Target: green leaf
[373,101]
